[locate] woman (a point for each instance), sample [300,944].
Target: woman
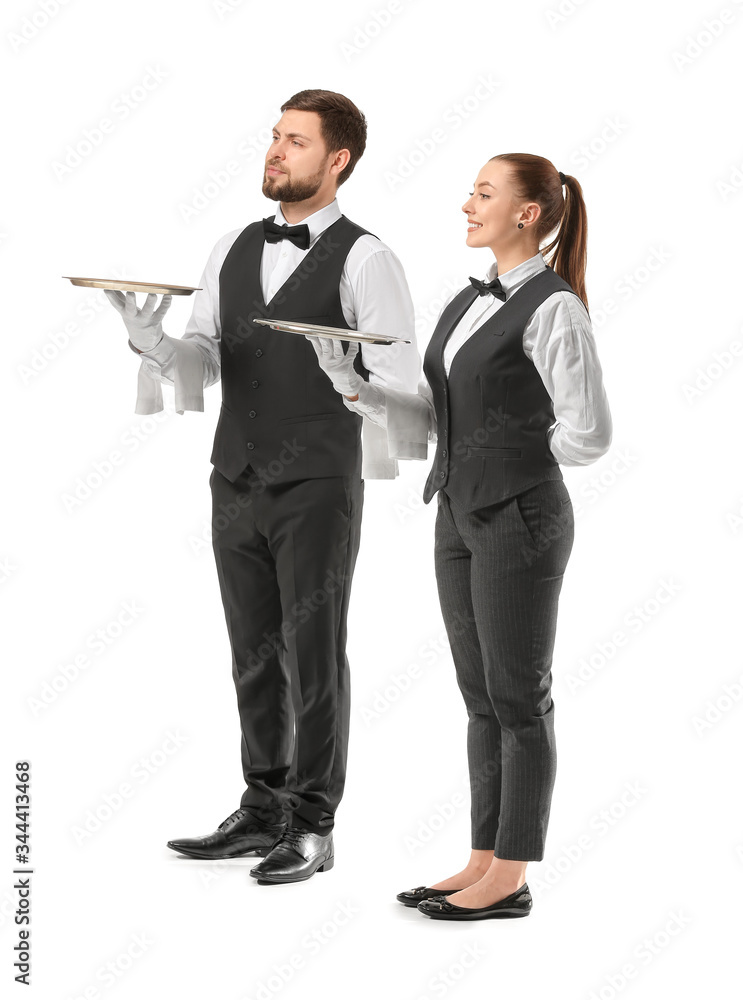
[512,388]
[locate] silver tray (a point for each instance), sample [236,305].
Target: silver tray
[334,332]
[133,286]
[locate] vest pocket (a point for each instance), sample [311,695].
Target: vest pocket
[304,419]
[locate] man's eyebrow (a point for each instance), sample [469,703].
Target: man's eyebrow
[292,135]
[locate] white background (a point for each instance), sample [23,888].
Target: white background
[636,100]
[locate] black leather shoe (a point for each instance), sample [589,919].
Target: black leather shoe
[241,833]
[297,856]
[518,904]
[414,896]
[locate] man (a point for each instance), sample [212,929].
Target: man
[288,466]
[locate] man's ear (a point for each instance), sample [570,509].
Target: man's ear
[340,161]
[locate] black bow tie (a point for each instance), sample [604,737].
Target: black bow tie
[494,286]
[299,235]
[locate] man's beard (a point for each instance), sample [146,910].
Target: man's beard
[290,190]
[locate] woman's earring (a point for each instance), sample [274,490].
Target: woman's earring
[521,225]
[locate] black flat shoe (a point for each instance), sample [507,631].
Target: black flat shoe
[241,833]
[414,896]
[296,857]
[518,904]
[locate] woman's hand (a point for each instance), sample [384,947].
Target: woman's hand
[337,365]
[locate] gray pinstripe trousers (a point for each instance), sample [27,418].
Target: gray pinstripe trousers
[499,572]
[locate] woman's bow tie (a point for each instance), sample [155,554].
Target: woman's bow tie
[494,286]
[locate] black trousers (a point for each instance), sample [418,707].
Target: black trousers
[499,572]
[285,557]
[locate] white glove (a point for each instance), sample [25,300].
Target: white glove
[337,365]
[143,325]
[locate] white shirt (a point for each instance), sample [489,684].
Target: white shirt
[374,297]
[558,340]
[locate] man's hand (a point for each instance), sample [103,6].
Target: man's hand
[337,365]
[143,325]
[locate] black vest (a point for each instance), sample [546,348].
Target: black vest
[280,412]
[493,412]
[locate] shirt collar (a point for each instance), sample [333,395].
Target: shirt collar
[318,222]
[517,276]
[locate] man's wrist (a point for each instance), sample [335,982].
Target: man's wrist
[350,387]
[162,353]
[146,350]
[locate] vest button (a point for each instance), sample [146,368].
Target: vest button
[252,413]
[255,383]
[251,445]
[443,454]
[442,475]
[258,353]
